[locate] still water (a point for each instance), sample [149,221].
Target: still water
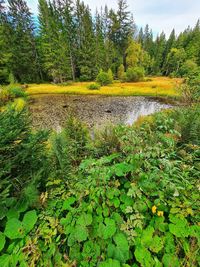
[51,111]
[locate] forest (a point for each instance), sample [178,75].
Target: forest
[125,195]
[67,42]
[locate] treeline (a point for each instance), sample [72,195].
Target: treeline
[67,42]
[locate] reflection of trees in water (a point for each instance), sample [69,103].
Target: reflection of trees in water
[51,111]
[143,108]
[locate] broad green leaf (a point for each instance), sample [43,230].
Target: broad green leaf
[2,241]
[74,252]
[91,250]
[110,263]
[12,213]
[170,260]
[156,244]
[121,169]
[14,229]
[147,236]
[169,243]
[120,251]
[108,230]
[68,202]
[80,233]
[179,228]
[67,220]
[143,256]
[5,260]
[84,219]
[29,220]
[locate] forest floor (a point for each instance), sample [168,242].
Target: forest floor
[154,86]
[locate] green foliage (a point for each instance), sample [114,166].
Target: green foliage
[94,86]
[121,75]
[16,229]
[21,154]
[104,78]
[135,74]
[10,93]
[189,68]
[190,89]
[110,209]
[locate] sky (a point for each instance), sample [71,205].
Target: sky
[161,15]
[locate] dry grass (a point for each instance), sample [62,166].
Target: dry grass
[158,86]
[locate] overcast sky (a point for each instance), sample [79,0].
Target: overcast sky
[159,14]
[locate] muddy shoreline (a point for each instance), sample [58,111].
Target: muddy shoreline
[51,111]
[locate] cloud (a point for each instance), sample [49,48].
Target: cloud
[161,15]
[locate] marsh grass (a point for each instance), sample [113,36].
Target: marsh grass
[157,86]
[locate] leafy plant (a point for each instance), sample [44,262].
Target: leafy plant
[94,86]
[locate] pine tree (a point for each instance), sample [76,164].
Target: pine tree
[21,42]
[54,41]
[160,44]
[148,44]
[169,45]
[86,42]
[4,46]
[100,55]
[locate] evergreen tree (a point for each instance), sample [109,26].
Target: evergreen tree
[21,42]
[169,45]
[100,55]
[54,46]
[86,42]
[140,37]
[4,45]
[160,44]
[148,44]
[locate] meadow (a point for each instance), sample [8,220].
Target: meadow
[156,86]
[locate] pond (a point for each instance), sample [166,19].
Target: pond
[51,111]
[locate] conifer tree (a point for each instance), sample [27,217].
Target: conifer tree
[86,42]
[4,46]
[54,46]
[21,42]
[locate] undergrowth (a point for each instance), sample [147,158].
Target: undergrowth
[130,197]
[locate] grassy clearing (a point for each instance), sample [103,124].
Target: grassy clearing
[158,86]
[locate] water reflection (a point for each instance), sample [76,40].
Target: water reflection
[51,111]
[143,108]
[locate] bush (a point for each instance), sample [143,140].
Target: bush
[190,89]
[189,68]
[21,153]
[105,78]
[135,74]
[94,86]
[121,73]
[9,93]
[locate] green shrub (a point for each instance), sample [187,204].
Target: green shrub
[189,68]
[11,92]
[22,156]
[69,146]
[110,75]
[135,74]
[16,92]
[190,89]
[121,73]
[104,78]
[106,141]
[94,86]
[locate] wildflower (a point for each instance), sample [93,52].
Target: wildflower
[154,208]
[160,213]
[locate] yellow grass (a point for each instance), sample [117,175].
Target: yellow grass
[157,86]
